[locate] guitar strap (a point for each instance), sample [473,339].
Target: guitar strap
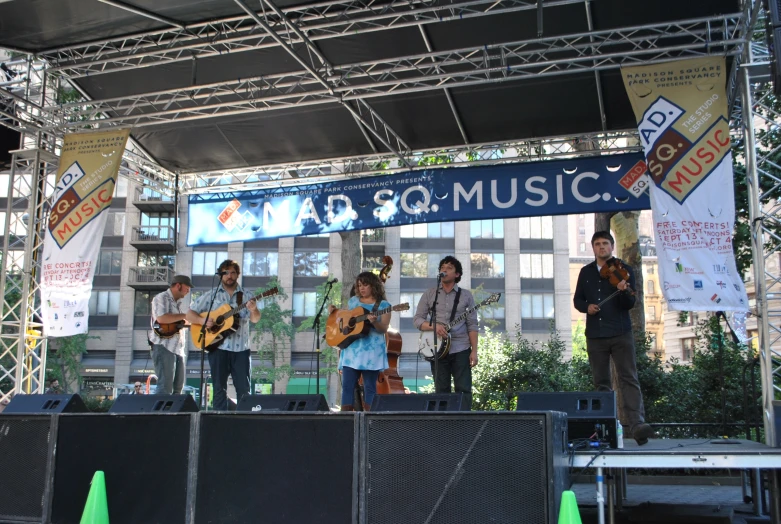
[455,305]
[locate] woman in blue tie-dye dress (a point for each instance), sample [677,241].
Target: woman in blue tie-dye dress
[366,356]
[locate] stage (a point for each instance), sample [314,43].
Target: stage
[673,454]
[364,468]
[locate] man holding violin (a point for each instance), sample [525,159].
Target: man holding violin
[605,293]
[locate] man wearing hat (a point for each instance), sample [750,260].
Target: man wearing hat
[168,354]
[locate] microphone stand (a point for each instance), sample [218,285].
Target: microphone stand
[330,285]
[434,325]
[203,340]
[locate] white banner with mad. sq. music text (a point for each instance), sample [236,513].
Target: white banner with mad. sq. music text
[86,176]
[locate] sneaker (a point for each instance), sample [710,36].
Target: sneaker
[641,433]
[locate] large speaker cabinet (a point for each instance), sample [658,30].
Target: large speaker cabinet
[463,467]
[26,448]
[145,459]
[277,468]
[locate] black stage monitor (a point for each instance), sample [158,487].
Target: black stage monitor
[589,414]
[154,404]
[28,404]
[416,402]
[277,403]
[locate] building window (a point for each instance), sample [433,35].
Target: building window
[156,259]
[536,227]
[412,299]
[494,310]
[310,264]
[536,265]
[488,265]
[104,303]
[120,189]
[143,303]
[687,348]
[582,247]
[420,265]
[652,312]
[651,288]
[487,228]
[435,230]
[115,224]
[260,263]
[304,304]
[160,225]
[373,235]
[650,270]
[109,262]
[206,262]
[537,305]
[374,264]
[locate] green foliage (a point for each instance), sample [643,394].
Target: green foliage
[672,392]
[97,405]
[64,361]
[579,340]
[511,366]
[273,334]
[329,358]
[767,141]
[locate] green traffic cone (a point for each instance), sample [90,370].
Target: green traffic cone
[568,513]
[96,509]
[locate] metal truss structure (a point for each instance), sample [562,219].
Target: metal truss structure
[296,31]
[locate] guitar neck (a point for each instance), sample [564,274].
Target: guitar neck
[377,313]
[238,309]
[463,315]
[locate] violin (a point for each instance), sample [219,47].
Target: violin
[615,272]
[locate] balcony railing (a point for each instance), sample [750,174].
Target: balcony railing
[156,237]
[147,199]
[156,277]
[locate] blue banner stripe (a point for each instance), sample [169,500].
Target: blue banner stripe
[560,187]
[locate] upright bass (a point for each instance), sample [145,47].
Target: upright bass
[389,381]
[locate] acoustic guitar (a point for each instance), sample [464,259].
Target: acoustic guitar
[226,322]
[164,330]
[343,327]
[426,340]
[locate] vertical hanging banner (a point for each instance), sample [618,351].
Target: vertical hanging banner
[681,109]
[88,170]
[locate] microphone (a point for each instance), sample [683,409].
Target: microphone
[441,275]
[220,273]
[333,281]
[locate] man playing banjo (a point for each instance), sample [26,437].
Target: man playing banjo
[452,301]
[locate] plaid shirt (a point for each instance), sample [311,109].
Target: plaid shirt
[162,304]
[238,341]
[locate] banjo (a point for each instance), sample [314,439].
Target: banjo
[426,340]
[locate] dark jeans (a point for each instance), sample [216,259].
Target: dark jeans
[169,369]
[622,349]
[222,364]
[455,365]
[350,379]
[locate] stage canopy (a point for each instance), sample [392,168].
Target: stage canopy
[218,85]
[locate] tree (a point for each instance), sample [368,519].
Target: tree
[64,362]
[273,335]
